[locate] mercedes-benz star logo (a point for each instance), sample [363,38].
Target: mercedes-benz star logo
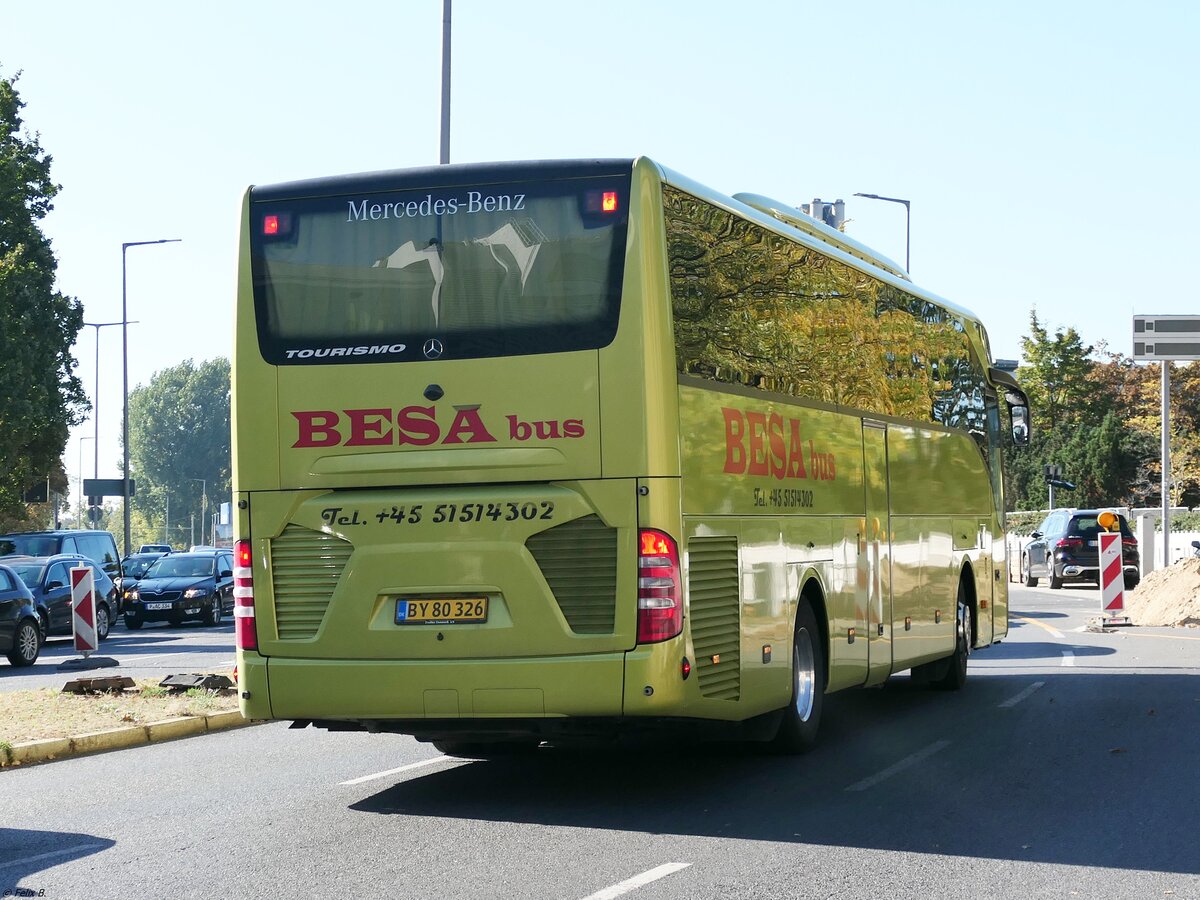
[433,348]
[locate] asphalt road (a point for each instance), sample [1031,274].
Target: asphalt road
[154,651]
[1066,768]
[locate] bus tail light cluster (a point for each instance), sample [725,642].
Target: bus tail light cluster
[243,596]
[660,597]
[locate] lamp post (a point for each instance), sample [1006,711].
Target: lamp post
[907,222]
[203,506]
[125,379]
[96,400]
[81,440]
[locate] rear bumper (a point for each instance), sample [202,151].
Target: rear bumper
[1073,570]
[381,690]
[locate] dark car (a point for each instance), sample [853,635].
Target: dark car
[155,548]
[134,568]
[49,580]
[183,586]
[20,625]
[1066,547]
[98,546]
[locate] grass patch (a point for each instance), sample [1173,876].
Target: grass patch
[49,713]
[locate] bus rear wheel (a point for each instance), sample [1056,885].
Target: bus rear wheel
[802,717]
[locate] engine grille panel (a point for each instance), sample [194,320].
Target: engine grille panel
[306,566]
[578,559]
[715,610]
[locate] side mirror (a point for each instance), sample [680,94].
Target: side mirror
[226,573]
[1037,535]
[1020,425]
[55,585]
[1196,544]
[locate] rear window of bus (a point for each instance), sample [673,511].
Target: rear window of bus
[462,271]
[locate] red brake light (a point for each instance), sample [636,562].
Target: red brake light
[660,598]
[1069,542]
[243,597]
[270,224]
[608,203]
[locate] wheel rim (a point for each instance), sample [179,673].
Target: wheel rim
[102,623]
[28,642]
[964,629]
[805,677]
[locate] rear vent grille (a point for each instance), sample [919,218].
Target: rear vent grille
[305,568]
[714,607]
[579,561]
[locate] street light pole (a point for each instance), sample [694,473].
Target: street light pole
[81,440]
[444,156]
[907,223]
[125,378]
[203,506]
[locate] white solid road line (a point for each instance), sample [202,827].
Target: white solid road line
[905,763]
[79,848]
[1025,694]
[1068,658]
[637,881]
[409,767]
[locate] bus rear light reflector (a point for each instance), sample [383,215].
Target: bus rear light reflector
[660,597]
[243,597]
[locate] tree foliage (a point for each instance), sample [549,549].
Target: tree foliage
[41,397]
[179,446]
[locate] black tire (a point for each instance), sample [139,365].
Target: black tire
[1028,577]
[1131,581]
[802,717]
[1056,582]
[486,749]
[955,675]
[103,622]
[133,623]
[27,643]
[212,617]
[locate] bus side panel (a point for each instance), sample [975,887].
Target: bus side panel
[939,494]
[798,471]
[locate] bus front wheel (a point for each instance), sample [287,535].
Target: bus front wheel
[802,717]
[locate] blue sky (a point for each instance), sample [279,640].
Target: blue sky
[1048,148]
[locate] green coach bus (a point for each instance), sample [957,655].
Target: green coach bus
[580,450]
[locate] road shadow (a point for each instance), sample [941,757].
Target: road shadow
[24,853]
[1051,651]
[985,791]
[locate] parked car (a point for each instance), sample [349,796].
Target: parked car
[98,546]
[21,635]
[182,586]
[154,548]
[49,580]
[1066,547]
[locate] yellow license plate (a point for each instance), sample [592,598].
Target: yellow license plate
[441,611]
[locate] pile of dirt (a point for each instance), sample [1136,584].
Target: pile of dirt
[1169,596]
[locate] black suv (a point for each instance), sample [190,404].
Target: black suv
[1066,547]
[98,546]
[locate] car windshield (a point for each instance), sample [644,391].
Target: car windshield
[181,567]
[136,568]
[30,573]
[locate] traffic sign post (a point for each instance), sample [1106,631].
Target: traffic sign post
[1112,571]
[83,623]
[83,610]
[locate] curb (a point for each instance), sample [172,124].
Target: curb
[30,752]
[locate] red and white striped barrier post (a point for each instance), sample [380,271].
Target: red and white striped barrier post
[83,610]
[1112,572]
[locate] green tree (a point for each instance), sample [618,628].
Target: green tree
[179,448]
[41,397]
[1055,375]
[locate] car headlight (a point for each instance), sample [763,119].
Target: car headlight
[195,593]
[131,594]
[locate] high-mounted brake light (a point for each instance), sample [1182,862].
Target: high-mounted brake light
[270,224]
[660,597]
[243,597]
[608,203]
